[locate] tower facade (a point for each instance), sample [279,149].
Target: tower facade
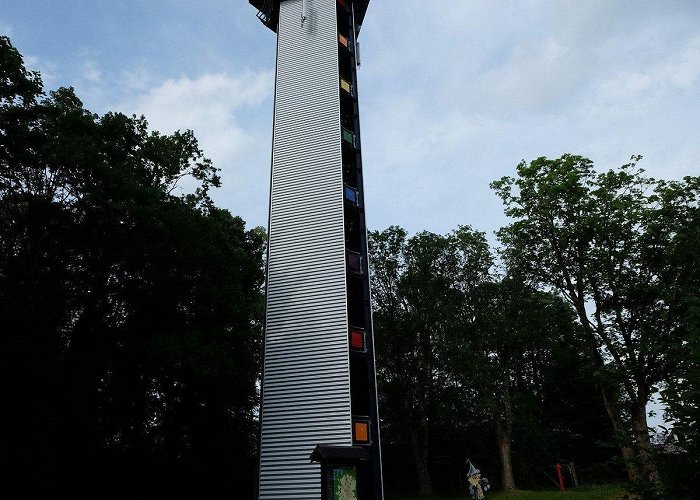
[319,384]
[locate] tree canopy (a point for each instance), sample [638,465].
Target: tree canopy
[131,306]
[474,364]
[617,246]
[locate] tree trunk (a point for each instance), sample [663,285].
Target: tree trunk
[645,452]
[419,445]
[621,435]
[504,448]
[609,399]
[504,434]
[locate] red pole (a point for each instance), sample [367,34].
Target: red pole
[560,476]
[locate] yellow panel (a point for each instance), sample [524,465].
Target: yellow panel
[345,86]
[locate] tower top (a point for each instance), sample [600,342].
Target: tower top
[269,10]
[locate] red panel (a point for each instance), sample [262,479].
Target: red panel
[354,263]
[357,339]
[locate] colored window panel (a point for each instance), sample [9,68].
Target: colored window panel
[343,40]
[361,432]
[349,137]
[352,196]
[355,263]
[345,86]
[357,339]
[342,2]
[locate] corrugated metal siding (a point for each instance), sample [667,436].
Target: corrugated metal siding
[306,383]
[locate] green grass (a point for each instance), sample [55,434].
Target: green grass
[605,492]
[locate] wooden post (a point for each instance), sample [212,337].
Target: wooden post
[560,476]
[574,477]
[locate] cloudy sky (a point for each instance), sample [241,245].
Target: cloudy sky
[453,94]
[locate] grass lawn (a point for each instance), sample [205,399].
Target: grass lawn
[605,492]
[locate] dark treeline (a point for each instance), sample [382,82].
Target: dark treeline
[131,312]
[552,355]
[131,319]
[473,365]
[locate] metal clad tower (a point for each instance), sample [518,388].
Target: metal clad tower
[319,385]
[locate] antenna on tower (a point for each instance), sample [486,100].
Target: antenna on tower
[355,29]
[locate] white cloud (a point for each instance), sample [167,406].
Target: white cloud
[207,101]
[470,88]
[223,111]
[91,72]
[31,61]
[677,72]
[208,105]
[137,78]
[46,68]
[684,69]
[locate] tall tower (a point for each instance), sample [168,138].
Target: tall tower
[319,394]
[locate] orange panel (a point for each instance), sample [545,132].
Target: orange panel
[361,432]
[342,39]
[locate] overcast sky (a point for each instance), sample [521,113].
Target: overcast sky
[453,94]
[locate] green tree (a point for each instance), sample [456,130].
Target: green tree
[418,290]
[601,241]
[473,365]
[524,358]
[131,313]
[681,394]
[517,330]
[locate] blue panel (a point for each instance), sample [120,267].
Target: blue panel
[351,195]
